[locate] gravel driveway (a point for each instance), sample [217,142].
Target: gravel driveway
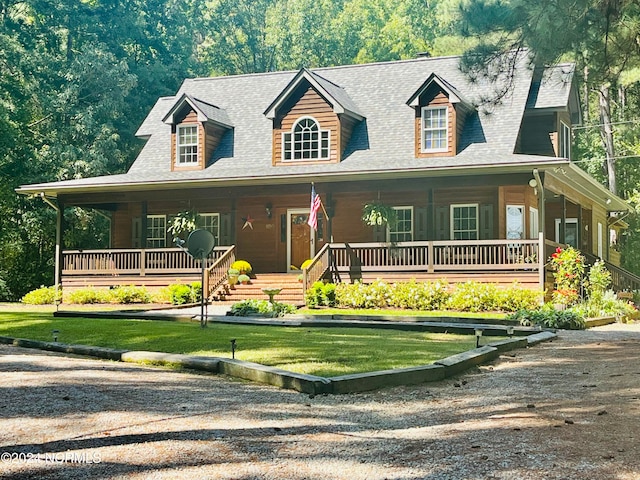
[562,410]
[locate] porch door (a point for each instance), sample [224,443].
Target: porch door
[300,238]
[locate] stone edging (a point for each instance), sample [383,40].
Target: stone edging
[310,384]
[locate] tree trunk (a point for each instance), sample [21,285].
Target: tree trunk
[606,133]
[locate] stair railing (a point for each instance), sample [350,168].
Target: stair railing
[217,274]
[317,268]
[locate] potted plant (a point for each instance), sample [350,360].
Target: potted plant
[233,276]
[244,279]
[242,266]
[378,214]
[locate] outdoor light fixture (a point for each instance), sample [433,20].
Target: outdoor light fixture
[233,348]
[268,208]
[478,332]
[510,331]
[55,334]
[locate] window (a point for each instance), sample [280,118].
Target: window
[306,141]
[570,231]
[156,231]
[564,142]
[464,222]
[434,129]
[402,231]
[211,223]
[187,145]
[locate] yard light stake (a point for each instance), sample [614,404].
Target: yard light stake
[233,348]
[510,331]
[55,334]
[478,332]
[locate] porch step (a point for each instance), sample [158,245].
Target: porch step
[291,289]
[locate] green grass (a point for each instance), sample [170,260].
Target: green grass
[316,351]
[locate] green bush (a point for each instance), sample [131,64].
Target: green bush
[321,294]
[42,296]
[129,294]
[360,295]
[419,295]
[548,317]
[84,296]
[473,297]
[514,298]
[180,294]
[605,305]
[5,293]
[261,307]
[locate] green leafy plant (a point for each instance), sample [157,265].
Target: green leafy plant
[130,294]
[420,295]
[184,222]
[321,294]
[85,296]
[377,214]
[261,307]
[549,317]
[598,281]
[473,297]
[181,294]
[42,296]
[245,279]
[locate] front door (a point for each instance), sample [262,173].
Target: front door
[300,238]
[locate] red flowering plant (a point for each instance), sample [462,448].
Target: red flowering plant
[568,273]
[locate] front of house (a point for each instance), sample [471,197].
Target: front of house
[477,188]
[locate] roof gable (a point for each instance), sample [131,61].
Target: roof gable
[454,95]
[332,93]
[206,112]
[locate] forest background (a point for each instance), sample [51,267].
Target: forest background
[77,77]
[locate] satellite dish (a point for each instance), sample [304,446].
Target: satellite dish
[200,243]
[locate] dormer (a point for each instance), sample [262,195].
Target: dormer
[440,113]
[313,120]
[197,128]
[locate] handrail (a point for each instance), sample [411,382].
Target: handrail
[621,279]
[216,275]
[317,268]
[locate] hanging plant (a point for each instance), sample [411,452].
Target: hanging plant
[184,222]
[377,214]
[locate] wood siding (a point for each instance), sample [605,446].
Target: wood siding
[436,99]
[538,134]
[310,104]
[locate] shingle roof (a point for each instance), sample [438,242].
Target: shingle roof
[383,142]
[553,87]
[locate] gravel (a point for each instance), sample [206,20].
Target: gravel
[568,409]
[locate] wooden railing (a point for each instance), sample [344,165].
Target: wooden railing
[621,279]
[318,267]
[134,261]
[439,256]
[216,275]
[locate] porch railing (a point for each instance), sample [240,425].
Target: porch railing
[428,257]
[156,261]
[216,275]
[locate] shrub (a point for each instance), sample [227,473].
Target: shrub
[360,295]
[42,296]
[568,271]
[549,317]
[5,293]
[473,297]
[180,294]
[598,281]
[514,298]
[605,305]
[84,296]
[244,278]
[261,307]
[321,294]
[129,294]
[420,295]
[242,266]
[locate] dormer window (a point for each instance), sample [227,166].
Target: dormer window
[306,141]
[565,140]
[187,145]
[434,129]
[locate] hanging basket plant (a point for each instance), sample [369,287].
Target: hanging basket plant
[378,214]
[183,223]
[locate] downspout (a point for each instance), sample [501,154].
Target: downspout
[541,212]
[541,230]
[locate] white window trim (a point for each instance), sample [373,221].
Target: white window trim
[462,205]
[411,232]
[178,163]
[423,149]
[320,132]
[564,147]
[600,240]
[164,238]
[573,221]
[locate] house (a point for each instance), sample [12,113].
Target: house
[481,191]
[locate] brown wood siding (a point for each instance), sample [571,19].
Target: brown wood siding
[439,100]
[213,136]
[191,118]
[347,124]
[311,104]
[538,135]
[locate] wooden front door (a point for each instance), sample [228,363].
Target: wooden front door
[300,238]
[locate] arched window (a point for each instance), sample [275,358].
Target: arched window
[306,141]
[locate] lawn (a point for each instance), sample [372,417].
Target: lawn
[317,351]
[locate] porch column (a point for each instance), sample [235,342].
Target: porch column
[143,225]
[329,210]
[563,220]
[579,228]
[59,260]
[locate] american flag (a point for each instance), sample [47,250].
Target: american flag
[315,206]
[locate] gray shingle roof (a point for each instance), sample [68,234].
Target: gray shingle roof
[553,88]
[383,142]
